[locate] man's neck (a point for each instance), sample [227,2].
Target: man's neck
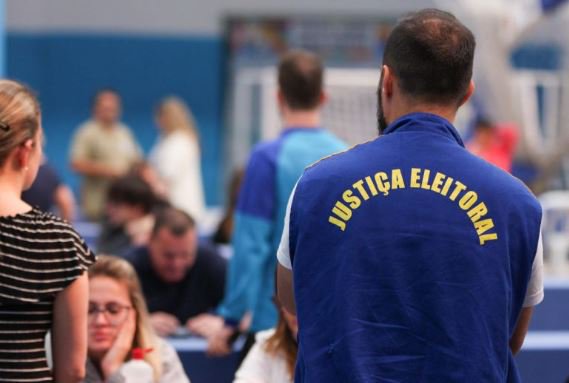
[303,118]
[446,112]
[11,185]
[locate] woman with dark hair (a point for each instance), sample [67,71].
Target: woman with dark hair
[130,208]
[43,285]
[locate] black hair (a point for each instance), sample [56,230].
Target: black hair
[300,79]
[431,53]
[177,221]
[134,191]
[484,123]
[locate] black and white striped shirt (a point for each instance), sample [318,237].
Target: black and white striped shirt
[40,255]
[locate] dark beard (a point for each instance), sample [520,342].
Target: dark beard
[381,122]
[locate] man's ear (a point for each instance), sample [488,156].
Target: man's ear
[388,82]
[469,92]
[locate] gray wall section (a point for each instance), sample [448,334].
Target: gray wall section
[176,16]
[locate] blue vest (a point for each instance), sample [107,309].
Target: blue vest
[411,260]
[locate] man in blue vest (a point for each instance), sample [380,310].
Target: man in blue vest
[410,259]
[272,171]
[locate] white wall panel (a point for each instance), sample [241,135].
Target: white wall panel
[175,16]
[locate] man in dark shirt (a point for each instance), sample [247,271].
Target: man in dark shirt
[48,192]
[181,281]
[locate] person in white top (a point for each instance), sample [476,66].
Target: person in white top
[272,359]
[176,157]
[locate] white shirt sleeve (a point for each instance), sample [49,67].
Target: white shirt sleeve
[283,253]
[534,294]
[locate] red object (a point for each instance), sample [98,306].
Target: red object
[500,150]
[138,353]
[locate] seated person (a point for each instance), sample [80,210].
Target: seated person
[180,279]
[130,206]
[119,322]
[272,359]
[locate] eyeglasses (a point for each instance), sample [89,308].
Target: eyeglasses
[114,312]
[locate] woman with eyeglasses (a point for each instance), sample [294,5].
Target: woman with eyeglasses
[118,322]
[43,283]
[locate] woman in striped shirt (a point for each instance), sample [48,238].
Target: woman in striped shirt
[43,284]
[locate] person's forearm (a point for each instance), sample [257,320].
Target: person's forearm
[285,288]
[69,332]
[111,371]
[252,249]
[69,374]
[521,330]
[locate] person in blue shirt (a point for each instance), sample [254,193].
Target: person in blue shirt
[271,173]
[407,258]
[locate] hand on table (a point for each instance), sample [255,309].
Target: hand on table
[206,325]
[218,343]
[163,323]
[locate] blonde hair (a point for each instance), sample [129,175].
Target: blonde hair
[178,117]
[144,337]
[19,116]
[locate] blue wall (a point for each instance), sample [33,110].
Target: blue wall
[66,69]
[2,38]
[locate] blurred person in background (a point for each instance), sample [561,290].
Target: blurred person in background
[272,171]
[182,282]
[273,357]
[176,157]
[43,283]
[221,238]
[494,143]
[130,208]
[118,323]
[49,193]
[102,149]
